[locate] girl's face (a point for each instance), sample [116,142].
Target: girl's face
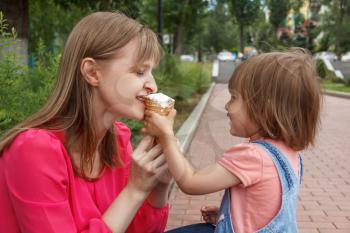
[241,124]
[124,82]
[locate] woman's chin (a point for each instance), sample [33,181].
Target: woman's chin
[138,116]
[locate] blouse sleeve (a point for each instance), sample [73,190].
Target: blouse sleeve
[245,162]
[148,219]
[37,178]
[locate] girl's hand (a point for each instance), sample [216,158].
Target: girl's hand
[148,164]
[210,214]
[158,125]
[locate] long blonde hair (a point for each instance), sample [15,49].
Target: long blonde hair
[69,108]
[283,96]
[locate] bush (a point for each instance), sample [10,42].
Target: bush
[347,81]
[23,90]
[181,80]
[321,68]
[326,74]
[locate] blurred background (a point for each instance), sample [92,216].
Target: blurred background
[195,34]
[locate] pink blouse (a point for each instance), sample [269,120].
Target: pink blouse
[40,193]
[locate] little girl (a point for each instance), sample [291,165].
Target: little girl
[275,102]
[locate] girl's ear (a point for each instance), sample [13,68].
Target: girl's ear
[88,68]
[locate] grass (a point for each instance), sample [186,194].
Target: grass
[335,86]
[184,109]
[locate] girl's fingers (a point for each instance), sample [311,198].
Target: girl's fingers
[210,208]
[149,114]
[209,214]
[173,113]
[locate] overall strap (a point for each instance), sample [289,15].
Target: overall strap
[285,170]
[301,171]
[224,222]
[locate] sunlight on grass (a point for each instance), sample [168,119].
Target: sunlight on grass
[332,86]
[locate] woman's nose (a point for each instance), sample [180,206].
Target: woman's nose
[151,85]
[226,106]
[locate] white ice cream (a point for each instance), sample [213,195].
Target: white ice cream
[161,99]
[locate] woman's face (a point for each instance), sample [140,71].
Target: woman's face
[124,82]
[240,122]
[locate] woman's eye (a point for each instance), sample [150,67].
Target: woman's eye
[140,73]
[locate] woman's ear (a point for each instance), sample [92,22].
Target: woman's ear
[88,68]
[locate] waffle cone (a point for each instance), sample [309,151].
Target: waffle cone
[164,111]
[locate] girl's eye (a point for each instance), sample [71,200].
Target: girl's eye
[233,97]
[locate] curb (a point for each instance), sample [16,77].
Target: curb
[337,94]
[215,70]
[330,67]
[186,132]
[189,127]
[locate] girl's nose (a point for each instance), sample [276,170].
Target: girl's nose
[226,106]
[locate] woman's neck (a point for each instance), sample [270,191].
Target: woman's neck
[103,118]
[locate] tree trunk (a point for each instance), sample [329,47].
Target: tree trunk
[339,29]
[241,38]
[275,41]
[200,52]
[179,39]
[180,30]
[16,13]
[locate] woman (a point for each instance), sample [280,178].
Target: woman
[70,166]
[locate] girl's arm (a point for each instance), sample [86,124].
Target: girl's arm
[208,180]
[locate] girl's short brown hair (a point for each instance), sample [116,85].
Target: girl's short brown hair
[282,94]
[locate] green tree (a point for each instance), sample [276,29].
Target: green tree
[278,12]
[336,26]
[16,12]
[245,13]
[262,34]
[220,31]
[182,19]
[50,21]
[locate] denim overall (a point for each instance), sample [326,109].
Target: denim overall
[285,220]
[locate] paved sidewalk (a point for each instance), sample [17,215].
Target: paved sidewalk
[324,200]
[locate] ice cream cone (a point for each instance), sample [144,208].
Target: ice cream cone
[159,103]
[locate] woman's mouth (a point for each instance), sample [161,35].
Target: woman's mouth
[140,98]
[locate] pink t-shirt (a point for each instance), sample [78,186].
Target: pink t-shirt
[40,193]
[257,199]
